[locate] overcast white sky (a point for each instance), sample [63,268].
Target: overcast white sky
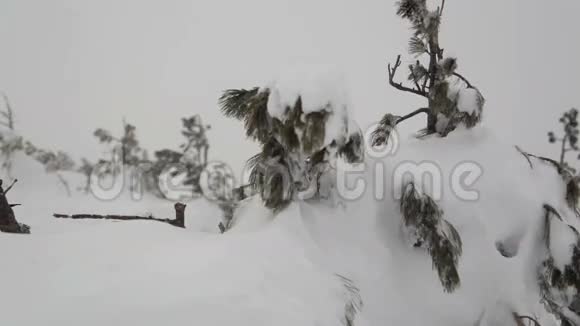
[70,66]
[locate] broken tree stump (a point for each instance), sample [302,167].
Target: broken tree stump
[178,221]
[8,222]
[179,215]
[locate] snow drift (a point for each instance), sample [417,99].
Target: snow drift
[286,269]
[340,260]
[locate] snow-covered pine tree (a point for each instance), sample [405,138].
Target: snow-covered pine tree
[131,153]
[299,140]
[195,150]
[559,270]
[86,169]
[189,161]
[451,98]
[568,143]
[126,147]
[427,229]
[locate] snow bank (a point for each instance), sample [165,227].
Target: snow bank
[364,239]
[282,270]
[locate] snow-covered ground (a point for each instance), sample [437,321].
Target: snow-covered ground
[287,269]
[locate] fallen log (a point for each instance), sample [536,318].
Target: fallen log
[178,221]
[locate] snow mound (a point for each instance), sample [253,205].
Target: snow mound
[364,238]
[307,265]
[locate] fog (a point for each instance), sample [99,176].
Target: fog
[70,66]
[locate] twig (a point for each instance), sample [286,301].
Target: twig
[10,186]
[442,7]
[542,158]
[14,205]
[469,85]
[400,86]
[526,155]
[549,209]
[563,150]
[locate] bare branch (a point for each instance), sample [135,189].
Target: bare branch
[399,86]
[545,159]
[563,150]
[526,155]
[469,85]
[10,186]
[442,7]
[412,114]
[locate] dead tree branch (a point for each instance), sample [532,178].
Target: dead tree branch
[10,186]
[442,7]
[412,114]
[392,71]
[526,155]
[178,221]
[8,222]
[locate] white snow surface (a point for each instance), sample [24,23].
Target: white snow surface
[562,242]
[282,269]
